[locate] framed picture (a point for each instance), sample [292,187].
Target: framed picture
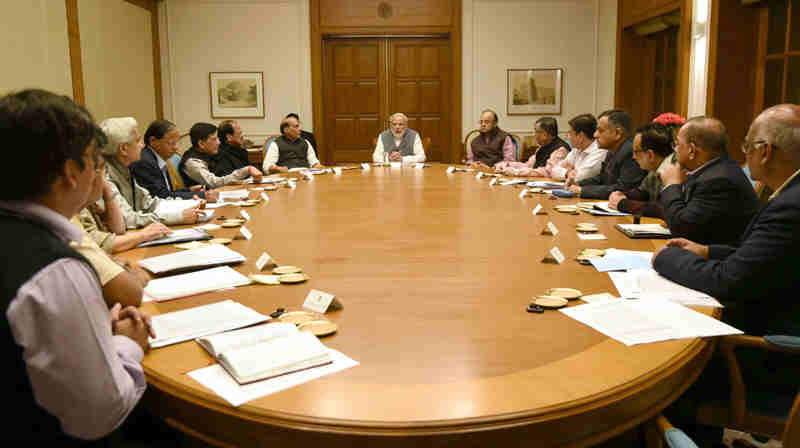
[236,94]
[535,91]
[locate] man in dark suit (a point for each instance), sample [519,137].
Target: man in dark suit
[706,197]
[153,170]
[305,134]
[756,280]
[620,171]
[231,155]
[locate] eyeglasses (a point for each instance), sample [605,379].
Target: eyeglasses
[748,146]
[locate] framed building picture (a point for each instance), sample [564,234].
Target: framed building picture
[236,94]
[534,91]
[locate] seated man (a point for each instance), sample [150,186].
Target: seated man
[652,150]
[138,207]
[492,145]
[585,160]
[552,150]
[72,369]
[309,136]
[399,143]
[713,201]
[756,278]
[619,170]
[232,154]
[289,151]
[199,162]
[153,171]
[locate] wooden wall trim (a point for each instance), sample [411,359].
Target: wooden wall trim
[75,60]
[316,79]
[685,56]
[618,97]
[713,43]
[456,76]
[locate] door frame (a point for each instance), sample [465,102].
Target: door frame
[379,29]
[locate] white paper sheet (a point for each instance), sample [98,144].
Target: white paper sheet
[642,321]
[234,194]
[171,206]
[199,321]
[591,236]
[212,255]
[647,284]
[173,287]
[218,380]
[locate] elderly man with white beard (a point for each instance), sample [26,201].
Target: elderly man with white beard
[398,143]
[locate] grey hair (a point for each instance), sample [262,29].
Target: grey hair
[784,136]
[398,115]
[119,131]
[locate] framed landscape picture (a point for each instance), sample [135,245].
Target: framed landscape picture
[534,91]
[236,94]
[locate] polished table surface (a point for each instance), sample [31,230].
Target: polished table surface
[434,271]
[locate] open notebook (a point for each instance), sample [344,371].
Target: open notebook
[213,255]
[265,351]
[179,326]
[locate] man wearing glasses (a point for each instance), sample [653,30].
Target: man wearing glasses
[706,197]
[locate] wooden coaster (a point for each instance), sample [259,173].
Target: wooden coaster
[248,203]
[191,245]
[592,252]
[293,278]
[296,317]
[220,241]
[567,293]
[270,187]
[571,209]
[231,224]
[586,227]
[550,302]
[319,327]
[264,279]
[287,270]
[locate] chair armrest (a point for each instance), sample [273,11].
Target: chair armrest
[787,343]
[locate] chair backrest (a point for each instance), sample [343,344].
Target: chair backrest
[791,436]
[468,141]
[517,145]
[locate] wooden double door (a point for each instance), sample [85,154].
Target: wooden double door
[368,79]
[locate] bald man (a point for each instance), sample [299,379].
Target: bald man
[755,280]
[706,197]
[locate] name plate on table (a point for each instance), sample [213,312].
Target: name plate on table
[493,181]
[365,166]
[292,184]
[337,171]
[537,209]
[320,302]
[419,165]
[245,215]
[479,175]
[264,260]
[550,229]
[245,233]
[554,256]
[523,193]
[264,196]
[451,170]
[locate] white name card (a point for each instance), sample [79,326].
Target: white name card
[419,165]
[337,171]
[245,215]
[479,175]
[552,228]
[245,233]
[263,260]
[557,255]
[523,193]
[264,196]
[493,181]
[292,184]
[537,209]
[365,166]
[396,164]
[318,301]
[451,170]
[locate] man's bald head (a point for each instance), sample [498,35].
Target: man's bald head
[708,134]
[780,127]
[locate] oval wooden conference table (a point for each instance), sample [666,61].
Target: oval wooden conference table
[435,271]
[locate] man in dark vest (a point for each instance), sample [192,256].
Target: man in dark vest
[289,150]
[492,145]
[232,155]
[398,143]
[72,368]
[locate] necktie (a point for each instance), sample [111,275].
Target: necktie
[177,182]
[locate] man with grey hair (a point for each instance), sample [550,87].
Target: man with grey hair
[756,279]
[138,207]
[706,197]
[399,143]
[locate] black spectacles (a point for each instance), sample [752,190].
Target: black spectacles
[748,146]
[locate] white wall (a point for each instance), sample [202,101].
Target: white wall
[576,35]
[270,36]
[35,47]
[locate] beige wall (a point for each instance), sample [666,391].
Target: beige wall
[576,35]
[270,36]
[35,50]
[117,54]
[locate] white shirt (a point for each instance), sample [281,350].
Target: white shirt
[587,163]
[419,152]
[272,156]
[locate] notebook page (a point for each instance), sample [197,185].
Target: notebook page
[179,326]
[195,283]
[220,343]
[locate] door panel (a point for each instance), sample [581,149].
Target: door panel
[367,79]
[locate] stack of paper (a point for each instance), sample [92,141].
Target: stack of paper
[233,195]
[213,255]
[179,236]
[644,230]
[171,328]
[547,185]
[197,282]
[600,209]
[622,260]
[648,284]
[641,321]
